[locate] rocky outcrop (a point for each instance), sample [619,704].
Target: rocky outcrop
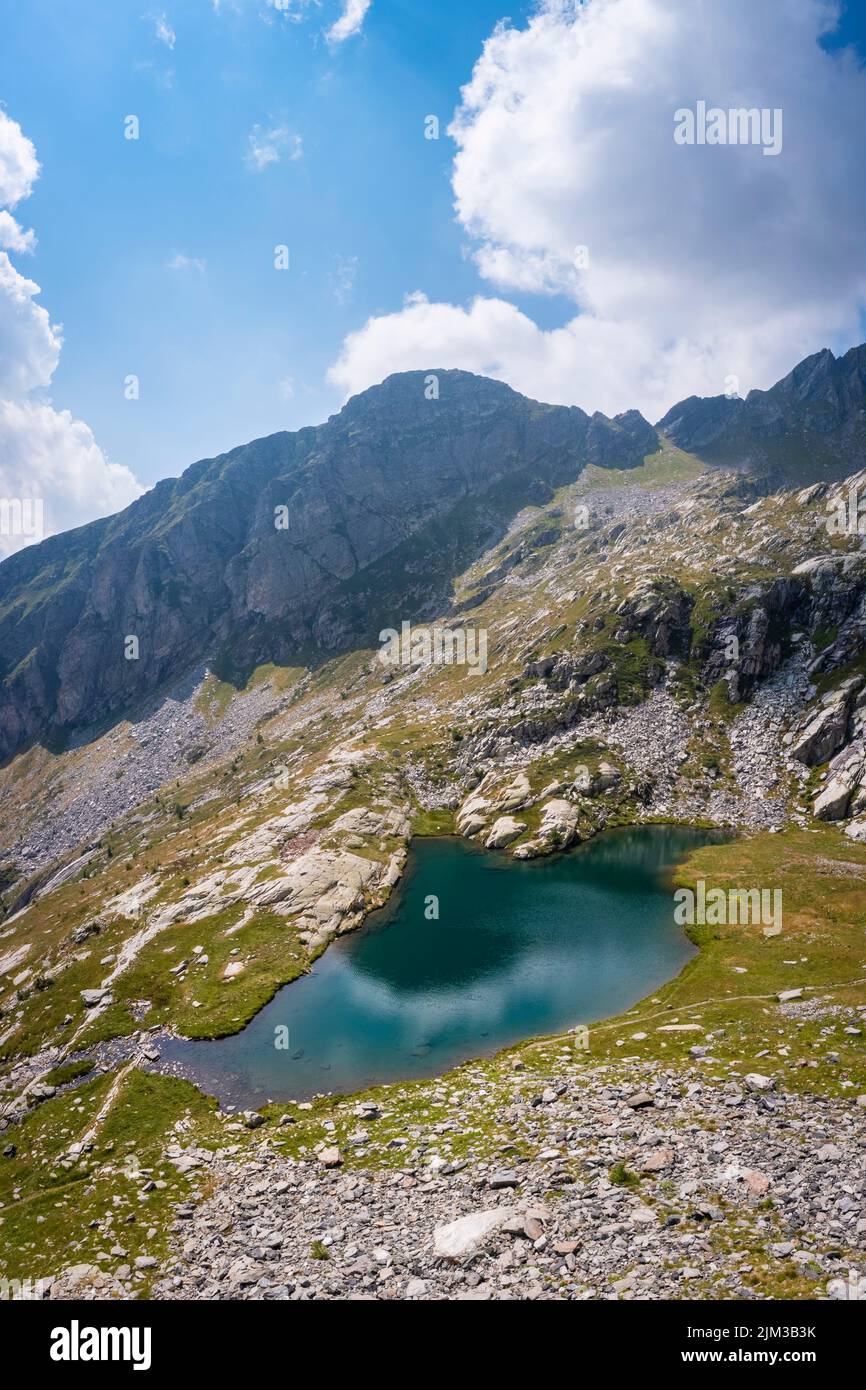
[827,730]
[492,799]
[844,793]
[758,632]
[835,733]
[568,669]
[659,611]
[558,822]
[515,795]
[503,831]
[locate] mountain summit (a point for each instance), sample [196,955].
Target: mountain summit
[294,544]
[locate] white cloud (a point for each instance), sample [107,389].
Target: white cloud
[181,262]
[48,455]
[29,343]
[350,21]
[13,237]
[19,167]
[270,146]
[164,31]
[45,454]
[494,338]
[292,9]
[702,261]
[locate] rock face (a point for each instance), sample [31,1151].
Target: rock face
[660,613]
[844,793]
[292,544]
[837,732]
[761,627]
[826,731]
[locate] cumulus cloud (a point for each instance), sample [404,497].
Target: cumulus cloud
[350,21]
[50,456]
[685,264]
[266,147]
[494,338]
[48,460]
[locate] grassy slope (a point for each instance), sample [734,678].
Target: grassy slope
[823,883]
[55,1213]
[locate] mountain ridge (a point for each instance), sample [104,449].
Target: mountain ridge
[818,410]
[382,505]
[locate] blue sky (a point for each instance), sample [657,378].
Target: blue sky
[365,211]
[259,128]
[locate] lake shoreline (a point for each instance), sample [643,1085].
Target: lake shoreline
[183,1056]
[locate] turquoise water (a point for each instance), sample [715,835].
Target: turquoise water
[518,949]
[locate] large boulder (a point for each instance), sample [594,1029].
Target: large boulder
[558,822]
[515,795]
[463,1238]
[607,776]
[503,831]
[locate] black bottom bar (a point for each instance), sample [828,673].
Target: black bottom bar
[241,1336]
